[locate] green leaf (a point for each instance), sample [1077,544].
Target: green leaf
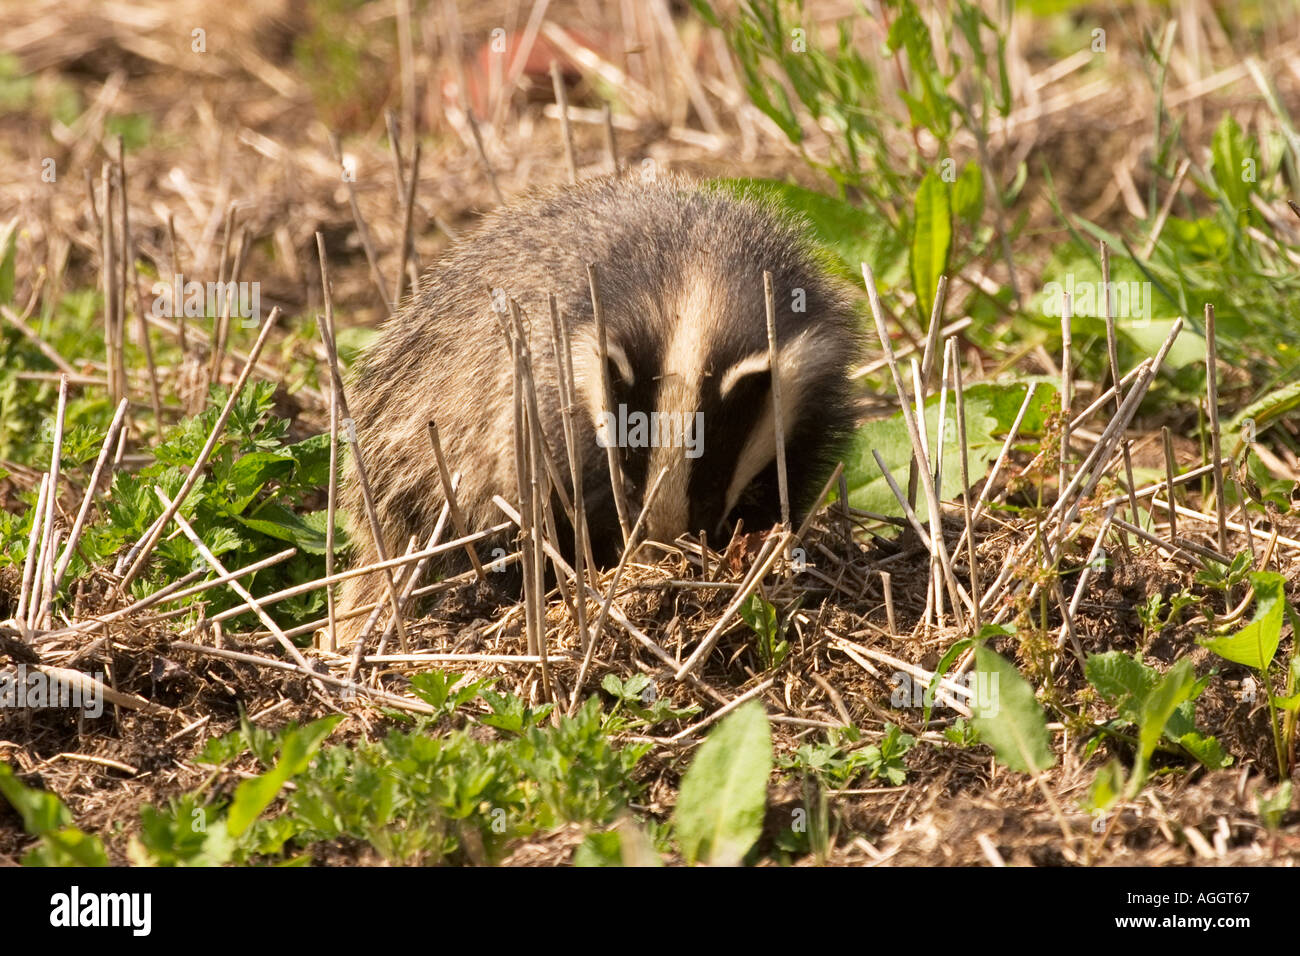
[1179,684]
[1256,643]
[8,252]
[297,747]
[931,240]
[968,194]
[312,460]
[45,816]
[720,807]
[1107,785]
[41,811]
[1263,412]
[945,662]
[1007,715]
[990,411]
[251,472]
[625,845]
[1123,680]
[1205,749]
[1271,808]
[1230,151]
[306,532]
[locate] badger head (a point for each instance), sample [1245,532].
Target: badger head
[690,380]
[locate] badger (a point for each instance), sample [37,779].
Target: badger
[680,269]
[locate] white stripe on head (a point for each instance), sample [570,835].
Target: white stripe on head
[691,329]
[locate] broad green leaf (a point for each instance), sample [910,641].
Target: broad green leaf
[312,459]
[1233,154]
[760,615]
[70,846]
[41,810]
[931,240]
[990,411]
[1007,715]
[968,194]
[1122,679]
[304,531]
[1205,749]
[297,747]
[45,816]
[250,473]
[1178,685]
[1256,643]
[1263,412]
[1107,786]
[720,807]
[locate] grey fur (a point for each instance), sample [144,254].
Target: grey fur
[681,270]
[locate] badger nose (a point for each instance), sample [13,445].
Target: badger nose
[666,508]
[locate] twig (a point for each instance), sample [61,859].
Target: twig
[607,402]
[918,446]
[331,503]
[449,493]
[408,207]
[724,710]
[778,415]
[415,706]
[1067,384]
[611,146]
[483,157]
[1212,398]
[887,586]
[387,564]
[139,554]
[1165,207]
[1112,354]
[363,231]
[772,548]
[965,488]
[216,565]
[75,534]
[1167,441]
[25,598]
[358,460]
[562,103]
[45,554]
[927,370]
[612,590]
[581,544]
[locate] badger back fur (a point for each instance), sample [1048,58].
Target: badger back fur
[681,277]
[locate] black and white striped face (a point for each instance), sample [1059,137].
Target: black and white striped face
[692,398]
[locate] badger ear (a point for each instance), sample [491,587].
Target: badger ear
[792,359]
[750,367]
